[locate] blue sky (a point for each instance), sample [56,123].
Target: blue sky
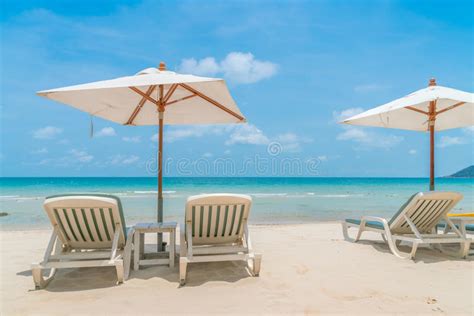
[293,67]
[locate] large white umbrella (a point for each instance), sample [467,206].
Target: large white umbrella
[434,108]
[153,97]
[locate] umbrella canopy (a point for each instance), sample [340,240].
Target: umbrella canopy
[454,108]
[134,100]
[153,97]
[434,108]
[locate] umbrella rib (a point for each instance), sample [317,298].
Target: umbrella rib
[212,101]
[417,110]
[182,99]
[140,105]
[169,93]
[143,94]
[450,107]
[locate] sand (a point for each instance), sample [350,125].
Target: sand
[306,269]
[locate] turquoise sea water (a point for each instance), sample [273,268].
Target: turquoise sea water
[276,200]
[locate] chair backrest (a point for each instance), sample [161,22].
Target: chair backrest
[86,221]
[425,210]
[217,218]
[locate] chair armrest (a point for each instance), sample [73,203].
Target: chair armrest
[382,220]
[127,252]
[248,242]
[182,240]
[375,219]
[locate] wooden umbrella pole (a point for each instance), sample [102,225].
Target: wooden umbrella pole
[161,112]
[432,175]
[431,122]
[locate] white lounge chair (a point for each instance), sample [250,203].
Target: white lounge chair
[88,231]
[414,223]
[216,229]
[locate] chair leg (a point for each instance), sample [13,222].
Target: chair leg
[127,253]
[136,250]
[120,274]
[183,264]
[126,265]
[345,231]
[359,234]
[257,260]
[393,248]
[413,250]
[38,279]
[464,251]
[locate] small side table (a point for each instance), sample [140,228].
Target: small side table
[461,223]
[139,241]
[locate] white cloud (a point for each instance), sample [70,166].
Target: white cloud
[204,67]
[412,151]
[81,156]
[124,160]
[106,132]
[287,138]
[370,87]
[130,160]
[446,141]
[345,114]
[362,137]
[236,66]
[47,132]
[323,158]
[291,142]
[244,68]
[227,152]
[173,135]
[355,134]
[40,151]
[131,139]
[237,134]
[247,134]
[179,133]
[208,155]
[45,162]
[73,157]
[469,130]
[63,142]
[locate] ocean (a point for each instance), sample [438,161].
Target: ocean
[275,200]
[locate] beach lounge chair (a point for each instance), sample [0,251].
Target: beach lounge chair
[216,229]
[414,223]
[88,231]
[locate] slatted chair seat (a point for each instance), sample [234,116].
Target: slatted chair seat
[88,231]
[216,229]
[415,222]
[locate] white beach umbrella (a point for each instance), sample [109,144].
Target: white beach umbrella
[153,97]
[431,109]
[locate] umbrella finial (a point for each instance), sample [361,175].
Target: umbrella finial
[432,82]
[162,66]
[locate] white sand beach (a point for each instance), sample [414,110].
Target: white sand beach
[306,269]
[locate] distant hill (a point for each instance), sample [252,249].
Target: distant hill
[464,173]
